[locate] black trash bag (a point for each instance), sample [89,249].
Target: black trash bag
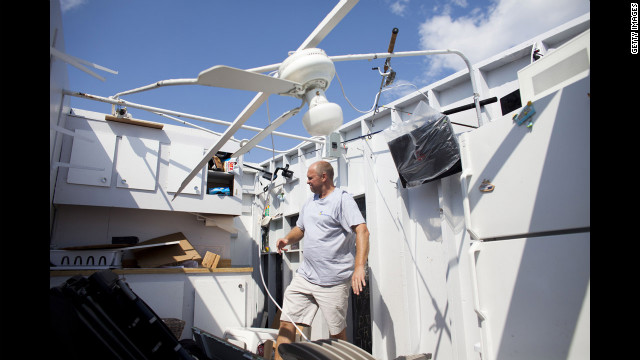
[424,148]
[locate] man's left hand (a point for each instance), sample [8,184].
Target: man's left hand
[357,280]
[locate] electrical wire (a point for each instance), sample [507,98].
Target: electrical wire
[266,202]
[377,94]
[271,182]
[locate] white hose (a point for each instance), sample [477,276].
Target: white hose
[260,256]
[274,302]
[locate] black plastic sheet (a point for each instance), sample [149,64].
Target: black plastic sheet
[424,148]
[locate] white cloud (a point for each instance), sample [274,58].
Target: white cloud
[398,7]
[66,5]
[483,32]
[461,3]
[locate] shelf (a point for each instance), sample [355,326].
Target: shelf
[275,253]
[220,179]
[219,175]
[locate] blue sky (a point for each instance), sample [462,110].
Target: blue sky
[147,41]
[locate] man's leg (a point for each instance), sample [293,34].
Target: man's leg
[334,303]
[286,335]
[342,335]
[300,306]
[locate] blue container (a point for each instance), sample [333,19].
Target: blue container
[219,191]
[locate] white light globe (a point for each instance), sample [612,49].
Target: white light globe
[322,119]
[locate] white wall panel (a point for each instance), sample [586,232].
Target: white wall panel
[137,163]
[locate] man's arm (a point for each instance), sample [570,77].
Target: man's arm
[292,237]
[362,252]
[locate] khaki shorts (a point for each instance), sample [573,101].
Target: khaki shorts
[302,300]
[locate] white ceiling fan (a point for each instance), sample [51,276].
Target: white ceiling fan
[305,75]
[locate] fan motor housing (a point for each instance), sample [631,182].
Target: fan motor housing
[310,67]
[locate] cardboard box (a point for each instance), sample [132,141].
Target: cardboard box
[169,255]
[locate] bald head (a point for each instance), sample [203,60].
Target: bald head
[323,167]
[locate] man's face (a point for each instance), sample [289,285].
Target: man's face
[314,180]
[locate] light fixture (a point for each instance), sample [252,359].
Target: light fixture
[314,70]
[323,116]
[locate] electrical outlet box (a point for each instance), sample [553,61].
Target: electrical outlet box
[332,148]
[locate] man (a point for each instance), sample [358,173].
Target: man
[328,221]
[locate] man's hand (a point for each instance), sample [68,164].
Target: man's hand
[281,243]
[362,252]
[357,280]
[291,238]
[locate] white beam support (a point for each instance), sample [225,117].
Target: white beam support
[177,113]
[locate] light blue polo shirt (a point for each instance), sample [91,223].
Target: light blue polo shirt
[329,242]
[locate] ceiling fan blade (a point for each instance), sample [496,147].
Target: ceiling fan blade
[328,23]
[268,130]
[227,77]
[232,78]
[237,123]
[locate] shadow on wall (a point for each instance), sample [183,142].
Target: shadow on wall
[381,320]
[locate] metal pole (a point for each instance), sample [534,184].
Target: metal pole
[176,113]
[476,93]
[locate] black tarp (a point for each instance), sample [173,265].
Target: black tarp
[424,148]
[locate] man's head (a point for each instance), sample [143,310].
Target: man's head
[320,177]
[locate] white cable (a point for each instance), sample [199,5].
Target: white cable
[275,303]
[377,94]
[260,255]
[345,96]
[271,184]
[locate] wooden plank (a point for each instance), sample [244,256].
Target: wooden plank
[150,124]
[210,260]
[268,349]
[153,271]
[224,263]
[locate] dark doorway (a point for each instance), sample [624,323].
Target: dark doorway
[361,304]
